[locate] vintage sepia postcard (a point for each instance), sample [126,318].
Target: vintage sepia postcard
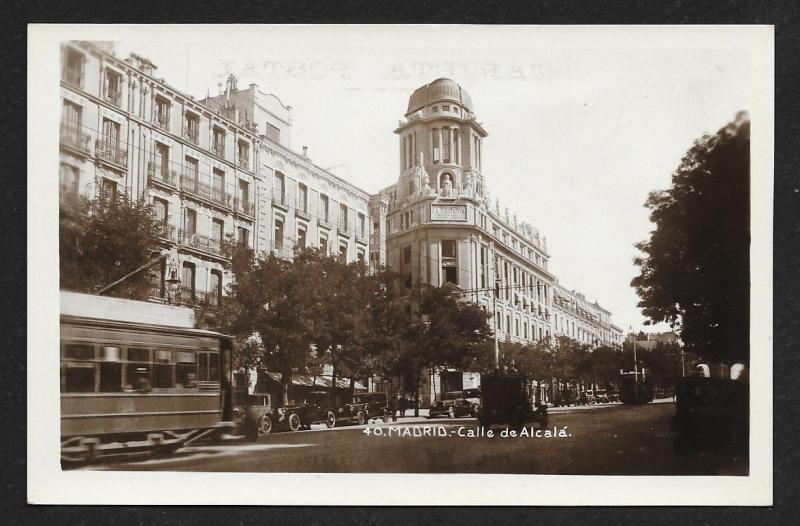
[400,264]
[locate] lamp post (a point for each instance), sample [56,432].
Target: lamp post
[173,284]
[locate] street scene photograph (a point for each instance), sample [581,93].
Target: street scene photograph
[410,250]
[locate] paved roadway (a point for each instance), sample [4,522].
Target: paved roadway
[601,440]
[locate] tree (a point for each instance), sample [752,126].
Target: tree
[694,272]
[274,301]
[102,240]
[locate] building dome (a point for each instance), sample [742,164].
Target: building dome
[440,90]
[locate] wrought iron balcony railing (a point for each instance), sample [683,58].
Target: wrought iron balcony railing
[72,76]
[192,135]
[279,197]
[215,194]
[72,137]
[161,174]
[168,232]
[218,148]
[112,96]
[200,242]
[111,152]
[244,204]
[243,161]
[162,121]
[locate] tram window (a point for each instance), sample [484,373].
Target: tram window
[163,370]
[203,366]
[138,375]
[79,352]
[78,378]
[213,367]
[185,369]
[110,370]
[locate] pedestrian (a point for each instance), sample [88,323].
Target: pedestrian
[403,404]
[395,406]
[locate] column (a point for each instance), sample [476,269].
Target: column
[441,145]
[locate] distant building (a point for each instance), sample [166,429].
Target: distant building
[581,320]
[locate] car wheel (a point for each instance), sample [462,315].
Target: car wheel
[475,410]
[264,425]
[294,422]
[330,419]
[451,412]
[361,418]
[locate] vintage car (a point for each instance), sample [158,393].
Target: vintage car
[473,396]
[360,410]
[509,400]
[255,415]
[711,414]
[601,396]
[452,404]
[566,397]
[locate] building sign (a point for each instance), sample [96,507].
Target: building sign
[448,212]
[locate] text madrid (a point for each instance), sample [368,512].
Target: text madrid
[467,432]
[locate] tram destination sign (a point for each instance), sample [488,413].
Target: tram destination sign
[448,212]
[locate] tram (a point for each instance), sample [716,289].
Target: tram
[635,387]
[138,376]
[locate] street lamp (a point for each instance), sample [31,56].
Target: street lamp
[173,284]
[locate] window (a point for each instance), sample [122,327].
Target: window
[484,265]
[362,225]
[361,256]
[161,210]
[218,146]
[323,244]
[187,281]
[185,368]
[278,237]
[217,232]
[244,197]
[161,163]
[71,115]
[110,134]
[273,133]
[343,250]
[108,190]
[405,266]
[243,236]
[302,198]
[508,323]
[208,367]
[190,223]
[243,154]
[163,370]
[446,145]
[436,145]
[69,178]
[138,371]
[218,186]
[72,71]
[77,369]
[215,287]
[113,87]
[324,208]
[192,127]
[301,236]
[279,188]
[343,217]
[110,369]
[191,170]
[449,261]
[162,113]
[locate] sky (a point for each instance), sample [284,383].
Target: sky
[582,123]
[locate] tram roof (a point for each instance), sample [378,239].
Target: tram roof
[124,310]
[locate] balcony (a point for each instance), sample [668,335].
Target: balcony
[244,204]
[279,198]
[191,135]
[73,77]
[113,96]
[168,233]
[214,194]
[199,242]
[160,174]
[111,152]
[242,161]
[186,295]
[162,121]
[218,148]
[71,137]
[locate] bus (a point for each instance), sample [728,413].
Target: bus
[138,376]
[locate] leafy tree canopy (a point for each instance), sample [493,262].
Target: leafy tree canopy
[694,271]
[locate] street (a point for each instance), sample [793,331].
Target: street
[595,440]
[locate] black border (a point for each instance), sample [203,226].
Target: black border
[784,15]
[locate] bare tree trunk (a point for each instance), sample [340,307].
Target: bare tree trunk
[416,390]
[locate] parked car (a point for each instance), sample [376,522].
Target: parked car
[370,406]
[473,396]
[601,396]
[566,397]
[255,415]
[614,396]
[452,404]
[509,400]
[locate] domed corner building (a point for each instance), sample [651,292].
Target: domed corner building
[437,225]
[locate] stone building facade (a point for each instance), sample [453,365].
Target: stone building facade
[216,169]
[583,321]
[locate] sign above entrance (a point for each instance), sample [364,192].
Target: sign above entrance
[448,212]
